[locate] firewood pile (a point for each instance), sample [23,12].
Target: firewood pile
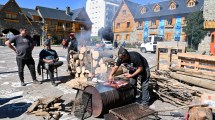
[171,90]
[49,107]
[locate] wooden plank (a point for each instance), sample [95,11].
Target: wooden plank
[33,106]
[196,56]
[157,57]
[205,83]
[196,75]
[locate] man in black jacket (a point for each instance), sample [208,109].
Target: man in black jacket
[138,68]
[23,50]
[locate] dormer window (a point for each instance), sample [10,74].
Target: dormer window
[191,3]
[157,8]
[172,5]
[143,10]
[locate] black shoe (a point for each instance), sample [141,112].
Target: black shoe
[23,84]
[37,82]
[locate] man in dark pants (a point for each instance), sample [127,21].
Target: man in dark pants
[138,67]
[72,46]
[51,60]
[23,50]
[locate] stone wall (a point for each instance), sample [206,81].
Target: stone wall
[205,45]
[209,11]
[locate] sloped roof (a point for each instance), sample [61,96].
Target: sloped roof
[132,7]
[58,14]
[164,9]
[30,12]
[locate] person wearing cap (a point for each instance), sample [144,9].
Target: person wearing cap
[138,69]
[24,46]
[51,60]
[72,46]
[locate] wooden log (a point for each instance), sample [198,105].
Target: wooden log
[95,55]
[44,114]
[82,75]
[81,56]
[98,70]
[95,63]
[78,69]
[196,75]
[87,71]
[174,69]
[205,83]
[83,69]
[77,75]
[33,106]
[101,61]
[81,63]
[83,50]
[200,113]
[77,62]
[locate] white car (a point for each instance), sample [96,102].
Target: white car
[108,45]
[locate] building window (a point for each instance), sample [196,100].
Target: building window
[153,22]
[128,24]
[10,15]
[124,12]
[143,10]
[59,24]
[127,37]
[67,25]
[157,8]
[191,3]
[172,5]
[118,25]
[169,21]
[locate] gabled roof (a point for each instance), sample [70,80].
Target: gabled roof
[164,9]
[132,7]
[58,14]
[30,12]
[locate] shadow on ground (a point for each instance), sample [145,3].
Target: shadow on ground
[6,100]
[13,110]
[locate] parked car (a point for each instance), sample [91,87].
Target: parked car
[150,44]
[108,45]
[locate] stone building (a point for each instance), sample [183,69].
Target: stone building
[43,21]
[134,22]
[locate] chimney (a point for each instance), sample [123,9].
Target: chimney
[67,10]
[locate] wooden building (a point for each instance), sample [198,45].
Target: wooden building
[134,22]
[43,21]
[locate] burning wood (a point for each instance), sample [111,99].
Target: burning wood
[46,107]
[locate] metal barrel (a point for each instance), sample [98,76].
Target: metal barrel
[105,98]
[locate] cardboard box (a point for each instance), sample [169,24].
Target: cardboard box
[208,99]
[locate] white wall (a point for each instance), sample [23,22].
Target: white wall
[96,10]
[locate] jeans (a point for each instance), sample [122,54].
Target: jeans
[144,83]
[31,66]
[51,67]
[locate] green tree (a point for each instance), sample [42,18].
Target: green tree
[195,29]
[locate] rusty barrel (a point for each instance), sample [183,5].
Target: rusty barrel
[105,98]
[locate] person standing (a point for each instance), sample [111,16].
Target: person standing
[72,45]
[138,69]
[51,60]
[115,44]
[24,46]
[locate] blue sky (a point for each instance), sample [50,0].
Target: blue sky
[61,4]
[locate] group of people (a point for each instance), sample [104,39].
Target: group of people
[136,64]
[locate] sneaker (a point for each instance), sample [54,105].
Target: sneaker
[36,82]
[23,84]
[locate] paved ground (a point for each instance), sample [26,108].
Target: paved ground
[14,99]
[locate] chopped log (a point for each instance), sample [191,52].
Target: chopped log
[77,75]
[33,106]
[95,55]
[83,50]
[196,75]
[205,83]
[175,69]
[57,104]
[95,63]
[81,56]
[83,69]
[78,69]
[200,113]
[87,71]
[82,75]
[77,62]
[98,70]
[44,114]
[56,115]
[101,62]
[81,63]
